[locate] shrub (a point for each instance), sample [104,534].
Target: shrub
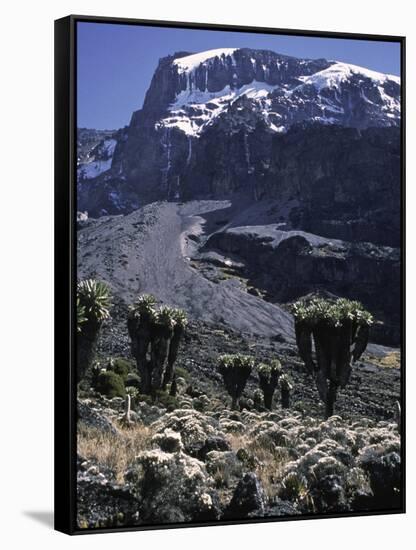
[110,384]
[120,366]
[294,487]
[167,401]
[181,372]
[93,303]
[235,370]
[133,380]
[258,399]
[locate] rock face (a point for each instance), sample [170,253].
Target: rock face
[290,264]
[95,149]
[317,141]
[213,123]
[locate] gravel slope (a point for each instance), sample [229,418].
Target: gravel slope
[148,251]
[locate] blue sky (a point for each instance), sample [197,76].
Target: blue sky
[116,62]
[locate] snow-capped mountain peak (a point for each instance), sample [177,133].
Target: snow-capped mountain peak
[340,72]
[282,91]
[212,123]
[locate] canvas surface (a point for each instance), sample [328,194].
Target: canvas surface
[238,224]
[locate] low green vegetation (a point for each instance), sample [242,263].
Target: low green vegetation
[120,366]
[110,384]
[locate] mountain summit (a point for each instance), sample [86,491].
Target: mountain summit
[240,120]
[190,91]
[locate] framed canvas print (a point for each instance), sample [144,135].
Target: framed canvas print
[229,274]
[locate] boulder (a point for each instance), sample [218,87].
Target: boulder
[172,487]
[328,494]
[384,471]
[213,443]
[93,419]
[248,499]
[101,503]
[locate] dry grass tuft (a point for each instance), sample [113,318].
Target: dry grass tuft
[391,360]
[268,461]
[113,451]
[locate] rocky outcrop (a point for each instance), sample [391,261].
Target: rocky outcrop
[101,503]
[248,498]
[383,467]
[171,486]
[92,418]
[292,264]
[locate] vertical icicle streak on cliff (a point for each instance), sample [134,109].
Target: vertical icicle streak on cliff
[188,158]
[250,169]
[166,144]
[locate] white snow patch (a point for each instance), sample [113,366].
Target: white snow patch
[339,72]
[96,167]
[93,169]
[206,106]
[108,146]
[191,62]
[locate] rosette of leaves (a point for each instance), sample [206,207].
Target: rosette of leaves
[268,380]
[235,370]
[93,307]
[340,331]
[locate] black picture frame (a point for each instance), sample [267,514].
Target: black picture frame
[65,262]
